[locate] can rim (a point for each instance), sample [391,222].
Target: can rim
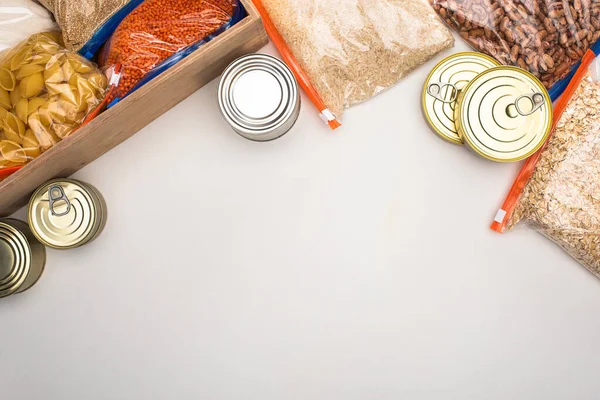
[467,140]
[43,188]
[22,239]
[430,75]
[291,112]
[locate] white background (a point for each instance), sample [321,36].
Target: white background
[354,264]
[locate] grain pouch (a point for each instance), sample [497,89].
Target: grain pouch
[546,37]
[46,93]
[87,24]
[344,52]
[558,192]
[157,34]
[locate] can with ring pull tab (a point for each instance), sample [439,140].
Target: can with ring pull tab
[442,86]
[22,257]
[66,213]
[504,114]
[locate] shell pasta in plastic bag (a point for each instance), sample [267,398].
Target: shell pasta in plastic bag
[558,190]
[46,92]
[158,33]
[547,38]
[344,52]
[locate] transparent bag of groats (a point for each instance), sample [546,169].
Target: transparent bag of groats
[558,190]
[344,52]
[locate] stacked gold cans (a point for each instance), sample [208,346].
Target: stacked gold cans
[65,213]
[502,113]
[22,257]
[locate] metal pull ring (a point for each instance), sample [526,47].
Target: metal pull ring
[56,194]
[435,90]
[536,99]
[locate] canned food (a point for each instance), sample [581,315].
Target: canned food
[504,114]
[65,213]
[442,87]
[259,97]
[22,257]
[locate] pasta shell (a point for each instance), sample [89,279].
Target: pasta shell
[20,58]
[68,70]
[29,69]
[34,104]
[5,99]
[54,74]
[15,96]
[21,109]
[7,80]
[31,146]
[32,85]
[12,152]
[13,136]
[42,59]
[98,81]
[3,113]
[63,130]
[42,132]
[11,121]
[60,88]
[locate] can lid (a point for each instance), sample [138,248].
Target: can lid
[15,259]
[504,114]
[63,213]
[258,96]
[443,85]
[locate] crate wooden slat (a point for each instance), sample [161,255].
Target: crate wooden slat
[135,112]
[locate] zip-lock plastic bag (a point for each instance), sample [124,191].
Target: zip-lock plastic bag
[547,38]
[20,19]
[344,52]
[558,190]
[158,34]
[46,93]
[87,24]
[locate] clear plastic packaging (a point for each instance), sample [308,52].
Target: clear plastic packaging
[20,19]
[156,35]
[344,52]
[547,38]
[46,93]
[558,191]
[87,24]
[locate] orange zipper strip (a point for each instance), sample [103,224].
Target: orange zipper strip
[293,64]
[506,212]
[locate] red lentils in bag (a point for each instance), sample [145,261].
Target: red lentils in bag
[156,30]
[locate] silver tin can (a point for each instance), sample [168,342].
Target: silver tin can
[259,97]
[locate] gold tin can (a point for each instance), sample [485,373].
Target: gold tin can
[22,257]
[504,114]
[66,213]
[442,86]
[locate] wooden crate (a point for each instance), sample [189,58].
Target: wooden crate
[136,111]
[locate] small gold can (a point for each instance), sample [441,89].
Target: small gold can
[504,114]
[66,213]
[22,257]
[442,86]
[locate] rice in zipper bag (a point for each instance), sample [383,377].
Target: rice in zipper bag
[344,52]
[158,33]
[46,93]
[557,191]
